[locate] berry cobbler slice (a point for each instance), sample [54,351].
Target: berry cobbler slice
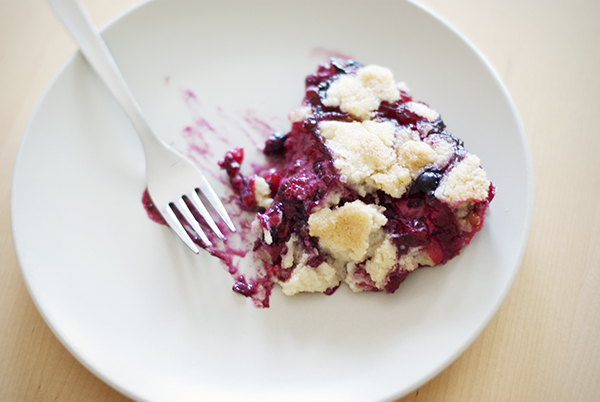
[366,187]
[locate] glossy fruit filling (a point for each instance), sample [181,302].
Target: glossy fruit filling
[301,175]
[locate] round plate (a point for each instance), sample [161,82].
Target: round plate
[159,323]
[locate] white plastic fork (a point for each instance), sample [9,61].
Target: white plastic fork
[170,176]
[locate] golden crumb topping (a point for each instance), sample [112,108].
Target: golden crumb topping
[359,149]
[415,155]
[344,232]
[423,110]
[383,261]
[262,192]
[414,258]
[309,279]
[362,93]
[373,156]
[466,181]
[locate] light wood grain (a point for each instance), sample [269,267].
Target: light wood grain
[544,342]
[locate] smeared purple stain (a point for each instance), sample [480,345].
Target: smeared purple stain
[151,209]
[204,124]
[241,126]
[321,53]
[223,115]
[209,129]
[189,96]
[206,133]
[257,124]
[199,134]
[229,251]
[197,142]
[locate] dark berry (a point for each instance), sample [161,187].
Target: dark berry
[331,291]
[232,161]
[313,97]
[345,66]
[273,179]
[427,181]
[243,288]
[394,279]
[275,144]
[247,195]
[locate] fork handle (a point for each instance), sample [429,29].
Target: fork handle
[79,24]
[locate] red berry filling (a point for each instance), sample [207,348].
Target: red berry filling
[302,175]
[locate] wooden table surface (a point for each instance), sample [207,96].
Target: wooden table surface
[544,342]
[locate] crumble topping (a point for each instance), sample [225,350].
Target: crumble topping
[444,150]
[415,258]
[345,231]
[262,192]
[375,156]
[359,149]
[382,262]
[467,181]
[361,94]
[423,110]
[394,182]
[287,261]
[414,155]
[299,114]
[262,232]
[309,279]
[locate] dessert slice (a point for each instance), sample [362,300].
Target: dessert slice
[366,187]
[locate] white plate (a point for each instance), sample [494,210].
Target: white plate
[158,323]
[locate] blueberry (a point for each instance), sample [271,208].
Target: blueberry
[324,86]
[275,144]
[345,66]
[427,181]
